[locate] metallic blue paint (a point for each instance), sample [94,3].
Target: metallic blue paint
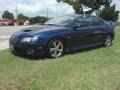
[74,37]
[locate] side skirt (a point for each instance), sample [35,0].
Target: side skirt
[82,47]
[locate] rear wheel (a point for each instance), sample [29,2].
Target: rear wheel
[108,41]
[55,48]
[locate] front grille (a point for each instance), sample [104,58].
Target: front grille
[18,49]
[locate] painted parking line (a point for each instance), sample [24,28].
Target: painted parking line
[4,37]
[4,45]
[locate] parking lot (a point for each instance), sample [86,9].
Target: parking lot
[6,32]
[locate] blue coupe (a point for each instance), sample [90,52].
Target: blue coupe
[63,34]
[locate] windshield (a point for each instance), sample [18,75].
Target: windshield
[61,21]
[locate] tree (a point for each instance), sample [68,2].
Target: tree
[93,4]
[7,15]
[21,19]
[38,19]
[109,13]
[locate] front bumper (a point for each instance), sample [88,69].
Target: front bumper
[27,49]
[32,48]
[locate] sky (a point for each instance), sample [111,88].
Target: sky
[40,7]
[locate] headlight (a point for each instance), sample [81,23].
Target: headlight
[30,39]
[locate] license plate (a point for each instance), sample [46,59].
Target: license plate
[11,47]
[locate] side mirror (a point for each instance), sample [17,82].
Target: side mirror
[78,26]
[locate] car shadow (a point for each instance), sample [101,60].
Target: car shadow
[32,57]
[84,50]
[44,57]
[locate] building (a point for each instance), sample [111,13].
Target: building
[8,22]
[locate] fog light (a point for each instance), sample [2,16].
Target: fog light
[40,48]
[30,51]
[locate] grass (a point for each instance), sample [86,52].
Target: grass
[98,69]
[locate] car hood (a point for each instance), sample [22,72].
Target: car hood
[32,31]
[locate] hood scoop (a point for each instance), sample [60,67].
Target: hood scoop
[27,30]
[33,29]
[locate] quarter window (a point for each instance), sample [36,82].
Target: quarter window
[97,21]
[87,21]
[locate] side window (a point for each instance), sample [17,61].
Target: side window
[79,21]
[88,21]
[97,21]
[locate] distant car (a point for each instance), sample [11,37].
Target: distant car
[2,24]
[63,34]
[10,24]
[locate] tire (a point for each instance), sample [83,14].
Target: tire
[108,41]
[55,48]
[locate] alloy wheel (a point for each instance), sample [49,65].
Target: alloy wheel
[56,48]
[108,41]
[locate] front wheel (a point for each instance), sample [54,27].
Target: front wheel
[55,48]
[108,41]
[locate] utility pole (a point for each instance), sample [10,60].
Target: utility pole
[1,14]
[47,13]
[16,13]
[56,10]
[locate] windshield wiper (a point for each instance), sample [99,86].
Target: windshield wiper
[52,24]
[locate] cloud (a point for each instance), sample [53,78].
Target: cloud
[117,2]
[39,7]
[36,7]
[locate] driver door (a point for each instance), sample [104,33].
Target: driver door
[82,35]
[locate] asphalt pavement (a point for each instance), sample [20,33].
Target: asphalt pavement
[6,32]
